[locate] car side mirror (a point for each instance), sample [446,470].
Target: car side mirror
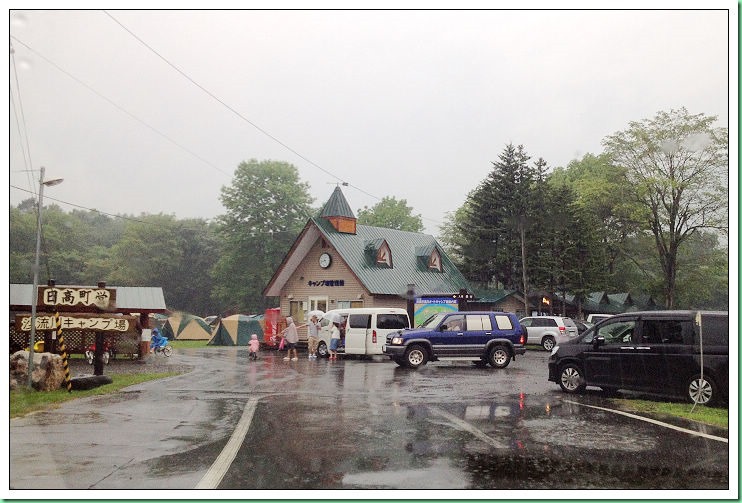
[598,341]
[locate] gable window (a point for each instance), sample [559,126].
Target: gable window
[378,253]
[434,261]
[384,255]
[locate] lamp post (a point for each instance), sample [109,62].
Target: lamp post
[34,293]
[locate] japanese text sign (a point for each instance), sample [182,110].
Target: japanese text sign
[102,298]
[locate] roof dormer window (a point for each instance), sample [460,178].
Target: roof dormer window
[429,258]
[384,255]
[434,261]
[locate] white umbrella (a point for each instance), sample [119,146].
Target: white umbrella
[319,314]
[333,317]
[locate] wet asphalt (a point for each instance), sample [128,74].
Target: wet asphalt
[357,425]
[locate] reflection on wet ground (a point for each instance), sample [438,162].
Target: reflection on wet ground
[513,442]
[357,424]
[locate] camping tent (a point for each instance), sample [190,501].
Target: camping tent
[236,330]
[186,327]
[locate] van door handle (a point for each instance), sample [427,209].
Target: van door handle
[627,347]
[645,348]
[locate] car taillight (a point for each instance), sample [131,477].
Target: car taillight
[522,339]
[563,330]
[373,337]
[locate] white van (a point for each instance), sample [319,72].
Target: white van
[363,329]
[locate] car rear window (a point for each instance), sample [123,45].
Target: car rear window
[568,322]
[503,322]
[392,321]
[544,322]
[715,329]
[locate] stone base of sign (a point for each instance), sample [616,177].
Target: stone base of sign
[47,375]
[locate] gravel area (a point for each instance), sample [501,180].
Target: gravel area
[80,366]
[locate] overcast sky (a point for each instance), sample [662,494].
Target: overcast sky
[412,104]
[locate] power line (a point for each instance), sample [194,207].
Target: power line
[242,117]
[22,131]
[228,107]
[118,106]
[205,91]
[88,209]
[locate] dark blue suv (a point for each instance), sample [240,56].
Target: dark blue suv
[478,336]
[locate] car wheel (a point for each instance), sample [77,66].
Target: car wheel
[322,350]
[548,343]
[571,379]
[499,356]
[702,391]
[416,356]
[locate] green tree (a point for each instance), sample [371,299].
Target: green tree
[266,208]
[159,250]
[703,273]
[391,213]
[678,164]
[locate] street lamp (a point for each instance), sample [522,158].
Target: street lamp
[32,336]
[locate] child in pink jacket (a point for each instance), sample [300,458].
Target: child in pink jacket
[254,346]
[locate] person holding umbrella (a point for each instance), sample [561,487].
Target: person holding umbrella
[313,333]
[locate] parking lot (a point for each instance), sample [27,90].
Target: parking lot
[361,425]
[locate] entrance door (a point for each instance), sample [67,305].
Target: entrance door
[318,304]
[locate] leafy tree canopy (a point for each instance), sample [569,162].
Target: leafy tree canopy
[391,213]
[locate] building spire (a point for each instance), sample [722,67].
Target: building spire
[337,211]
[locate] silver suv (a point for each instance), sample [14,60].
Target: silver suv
[548,331]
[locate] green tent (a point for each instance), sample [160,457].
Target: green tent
[236,330]
[184,326]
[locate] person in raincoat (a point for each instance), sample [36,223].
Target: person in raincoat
[291,334]
[157,341]
[254,346]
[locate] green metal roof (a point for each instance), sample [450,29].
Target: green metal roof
[492,296]
[407,267]
[337,206]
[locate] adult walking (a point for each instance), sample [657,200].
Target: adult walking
[291,334]
[313,336]
[334,340]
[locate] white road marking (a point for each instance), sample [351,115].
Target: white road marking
[463,425]
[219,468]
[654,421]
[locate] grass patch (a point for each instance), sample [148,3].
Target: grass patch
[24,400]
[188,344]
[708,415]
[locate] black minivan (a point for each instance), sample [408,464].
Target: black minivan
[672,353]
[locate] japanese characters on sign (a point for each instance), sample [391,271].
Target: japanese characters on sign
[103,323]
[327,282]
[83,297]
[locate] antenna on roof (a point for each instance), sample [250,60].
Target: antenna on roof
[344,184]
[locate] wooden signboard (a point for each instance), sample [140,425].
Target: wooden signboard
[79,321]
[72,298]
